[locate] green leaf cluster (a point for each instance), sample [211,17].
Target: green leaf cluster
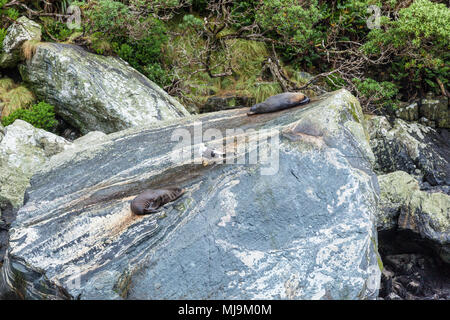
[40,115]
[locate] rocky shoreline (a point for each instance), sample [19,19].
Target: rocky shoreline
[358,206]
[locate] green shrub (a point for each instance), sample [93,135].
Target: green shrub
[2,36]
[12,13]
[419,42]
[380,94]
[54,29]
[40,115]
[106,16]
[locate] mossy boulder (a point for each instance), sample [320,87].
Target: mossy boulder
[410,147]
[23,29]
[405,207]
[96,93]
[436,110]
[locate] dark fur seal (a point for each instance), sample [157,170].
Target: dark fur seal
[279,102]
[150,200]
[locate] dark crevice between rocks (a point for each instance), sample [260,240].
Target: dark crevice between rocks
[412,268]
[66,130]
[12,73]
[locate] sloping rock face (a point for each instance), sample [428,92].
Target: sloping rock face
[23,150]
[413,148]
[20,31]
[96,93]
[299,226]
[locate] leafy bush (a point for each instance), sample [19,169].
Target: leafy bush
[137,39]
[380,94]
[54,30]
[2,37]
[419,41]
[40,115]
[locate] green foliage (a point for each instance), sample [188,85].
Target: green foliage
[54,30]
[2,37]
[106,16]
[40,115]
[139,40]
[291,21]
[157,74]
[6,84]
[191,21]
[12,13]
[262,91]
[380,94]
[419,39]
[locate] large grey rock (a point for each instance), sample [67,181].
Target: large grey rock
[96,93]
[305,232]
[410,147]
[2,132]
[23,150]
[21,30]
[405,207]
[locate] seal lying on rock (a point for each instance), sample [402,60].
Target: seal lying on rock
[279,102]
[150,200]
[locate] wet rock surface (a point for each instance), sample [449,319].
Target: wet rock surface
[307,232]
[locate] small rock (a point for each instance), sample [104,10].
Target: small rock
[436,110]
[409,113]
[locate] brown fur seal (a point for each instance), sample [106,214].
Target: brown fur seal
[150,200]
[279,102]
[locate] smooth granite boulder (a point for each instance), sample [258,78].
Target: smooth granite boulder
[301,225]
[96,93]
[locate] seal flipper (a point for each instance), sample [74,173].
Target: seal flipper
[304,101]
